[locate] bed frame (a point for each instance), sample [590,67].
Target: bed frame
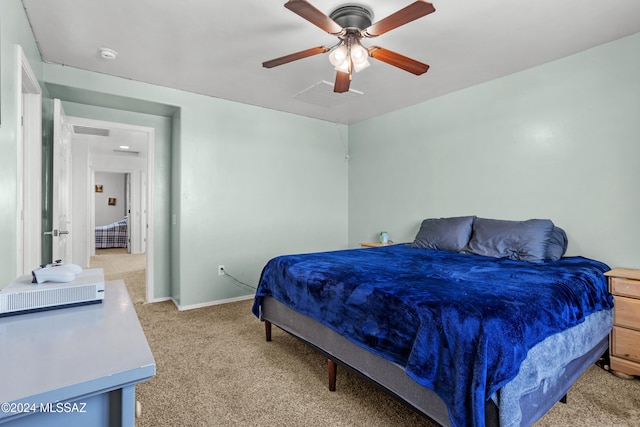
[391,377]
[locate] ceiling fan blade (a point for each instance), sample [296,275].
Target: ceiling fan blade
[307,11]
[343,80]
[397,60]
[415,10]
[295,56]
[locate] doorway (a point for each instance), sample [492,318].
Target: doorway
[122,150]
[29,127]
[113,212]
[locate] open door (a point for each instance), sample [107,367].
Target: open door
[61,206]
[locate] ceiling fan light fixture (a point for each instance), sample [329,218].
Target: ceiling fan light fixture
[343,67]
[359,55]
[339,56]
[357,67]
[350,54]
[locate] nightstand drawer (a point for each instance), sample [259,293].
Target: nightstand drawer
[626,343]
[627,312]
[626,287]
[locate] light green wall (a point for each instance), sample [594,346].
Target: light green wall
[247,184]
[558,141]
[14,31]
[254,183]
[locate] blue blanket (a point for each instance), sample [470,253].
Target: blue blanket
[460,324]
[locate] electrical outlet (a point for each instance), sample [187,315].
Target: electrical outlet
[221,270]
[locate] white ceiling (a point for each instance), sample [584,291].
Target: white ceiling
[109,139]
[216,48]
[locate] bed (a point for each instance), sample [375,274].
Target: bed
[476,322]
[113,235]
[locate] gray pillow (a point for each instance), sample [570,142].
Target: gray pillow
[557,245]
[447,234]
[520,240]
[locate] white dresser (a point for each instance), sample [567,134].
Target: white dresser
[74,366]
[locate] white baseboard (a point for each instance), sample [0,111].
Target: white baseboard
[210,303]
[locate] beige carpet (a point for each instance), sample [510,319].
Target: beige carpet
[214,368]
[118,264]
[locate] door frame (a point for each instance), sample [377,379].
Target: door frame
[29,136]
[148,201]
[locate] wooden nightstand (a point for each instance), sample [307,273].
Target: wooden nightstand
[624,342]
[375,244]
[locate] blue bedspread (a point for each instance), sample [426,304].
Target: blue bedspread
[460,324]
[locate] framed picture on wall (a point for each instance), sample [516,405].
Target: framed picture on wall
[98,188]
[112,201]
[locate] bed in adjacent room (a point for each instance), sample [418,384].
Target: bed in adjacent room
[113,235]
[477,322]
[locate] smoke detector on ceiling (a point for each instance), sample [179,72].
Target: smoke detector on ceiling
[106,53]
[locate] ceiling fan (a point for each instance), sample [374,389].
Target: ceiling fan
[351,23]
